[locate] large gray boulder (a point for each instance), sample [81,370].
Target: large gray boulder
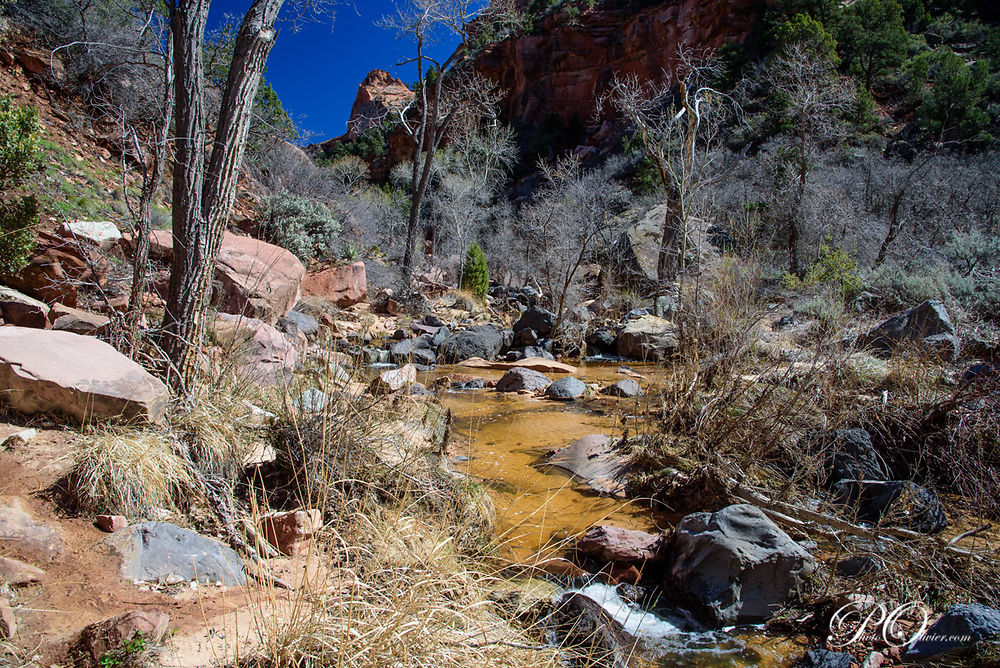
[484,341]
[566,389]
[155,551]
[594,459]
[848,454]
[636,253]
[46,371]
[927,326]
[735,565]
[537,319]
[519,379]
[898,503]
[960,627]
[648,338]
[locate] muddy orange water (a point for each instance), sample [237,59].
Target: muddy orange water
[504,437]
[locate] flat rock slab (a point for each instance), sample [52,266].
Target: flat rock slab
[100,232]
[533,363]
[159,551]
[24,535]
[593,459]
[46,371]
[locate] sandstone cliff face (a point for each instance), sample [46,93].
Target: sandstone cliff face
[560,68]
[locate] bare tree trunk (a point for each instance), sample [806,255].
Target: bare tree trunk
[202,201]
[667,260]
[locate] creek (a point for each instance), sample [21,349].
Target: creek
[502,440]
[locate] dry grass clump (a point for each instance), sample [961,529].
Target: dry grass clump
[403,597]
[129,472]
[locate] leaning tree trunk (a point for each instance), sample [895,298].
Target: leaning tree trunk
[202,201]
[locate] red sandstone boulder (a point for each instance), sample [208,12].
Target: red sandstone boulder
[254,350]
[77,321]
[344,285]
[21,310]
[252,277]
[290,532]
[608,544]
[46,371]
[97,640]
[56,270]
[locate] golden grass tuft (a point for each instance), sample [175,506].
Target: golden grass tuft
[128,472]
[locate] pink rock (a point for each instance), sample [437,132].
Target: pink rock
[290,532]
[253,278]
[45,371]
[8,625]
[394,380]
[15,572]
[98,639]
[617,545]
[257,352]
[68,319]
[20,309]
[56,268]
[344,285]
[110,523]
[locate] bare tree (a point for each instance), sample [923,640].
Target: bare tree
[203,197]
[680,121]
[573,211]
[812,97]
[449,92]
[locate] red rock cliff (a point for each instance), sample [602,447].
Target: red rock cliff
[563,64]
[377,94]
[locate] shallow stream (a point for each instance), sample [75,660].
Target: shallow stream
[502,440]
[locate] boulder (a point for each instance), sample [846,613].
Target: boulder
[416,350]
[627,387]
[927,325]
[474,384]
[394,380]
[344,285]
[824,658]
[68,319]
[8,623]
[520,379]
[566,389]
[154,551]
[78,376]
[601,342]
[252,278]
[637,250]
[56,268]
[21,310]
[295,322]
[483,341]
[16,573]
[898,503]
[735,565]
[848,454]
[257,279]
[258,353]
[111,523]
[960,627]
[647,338]
[311,401]
[608,544]
[100,640]
[535,318]
[594,459]
[101,233]
[525,337]
[23,534]
[291,532]
[583,625]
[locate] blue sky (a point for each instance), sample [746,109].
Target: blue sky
[316,71]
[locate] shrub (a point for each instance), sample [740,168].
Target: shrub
[834,268]
[475,274]
[303,226]
[19,157]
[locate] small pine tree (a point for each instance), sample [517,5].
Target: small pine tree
[19,157]
[475,274]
